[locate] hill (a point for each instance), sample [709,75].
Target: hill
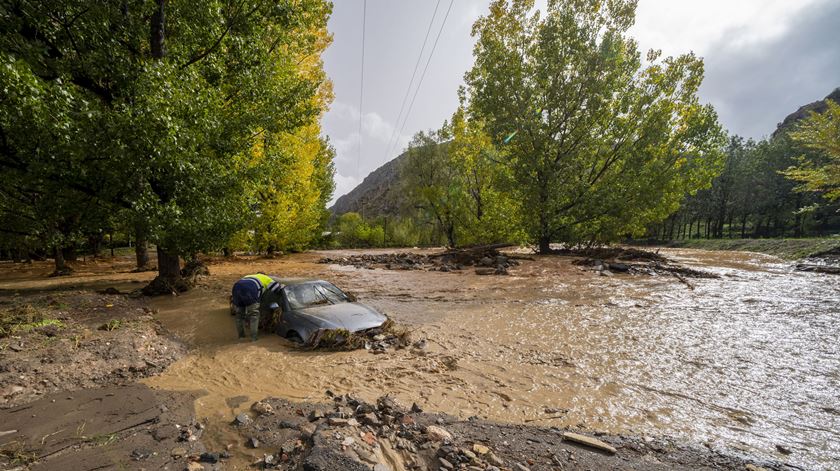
[378,194]
[803,112]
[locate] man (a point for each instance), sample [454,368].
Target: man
[245,301]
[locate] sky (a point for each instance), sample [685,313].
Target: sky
[763,58]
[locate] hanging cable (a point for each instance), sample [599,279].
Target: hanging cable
[410,83]
[362,84]
[425,68]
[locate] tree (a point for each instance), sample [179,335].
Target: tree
[821,172]
[155,101]
[598,145]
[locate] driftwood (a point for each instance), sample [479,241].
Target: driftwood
[829,269]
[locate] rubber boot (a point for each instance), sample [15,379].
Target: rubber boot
[240,327]
[255,327]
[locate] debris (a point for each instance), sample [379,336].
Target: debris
[589,441]
[262,408]
[438,434]
[487,260]
[242,419]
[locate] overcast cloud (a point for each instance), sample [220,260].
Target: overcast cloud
[764,58]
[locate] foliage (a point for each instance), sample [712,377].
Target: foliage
[148,110]
[597,145]
[819,133]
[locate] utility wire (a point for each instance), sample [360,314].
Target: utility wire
[425,68]
[411,82]
[362,84]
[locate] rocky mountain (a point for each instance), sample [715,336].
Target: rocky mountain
[378,195]
[803,112]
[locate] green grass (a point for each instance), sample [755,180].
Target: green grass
[790,249]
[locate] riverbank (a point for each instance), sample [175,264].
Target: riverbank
[788,249]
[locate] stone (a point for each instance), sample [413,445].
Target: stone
[495,460]
[521,467]
[348,441]
[371,419]
[193,466]
[242,419]
[752,467]
[438,434]
[338,422]
[141,454]
[316,415]
[209,458]
[381,467]
[445,464]
[783,449]
[253,443]
[485,271]
[589,441]
[480,449]
[262,408]
[178,452]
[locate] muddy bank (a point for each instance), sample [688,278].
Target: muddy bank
[126,427]
[78,339]
[350,434]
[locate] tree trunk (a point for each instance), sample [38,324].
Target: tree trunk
[69,253]
[141,248]
[545,245]
[61,268]
[169,279]
[169,264]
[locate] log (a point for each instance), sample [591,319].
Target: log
[589,441]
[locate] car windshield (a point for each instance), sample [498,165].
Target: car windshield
[305,295]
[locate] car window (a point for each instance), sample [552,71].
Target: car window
[305,295]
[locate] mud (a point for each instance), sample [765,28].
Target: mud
[742,365]
[78,339]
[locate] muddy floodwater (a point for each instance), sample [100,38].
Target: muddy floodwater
[744,363]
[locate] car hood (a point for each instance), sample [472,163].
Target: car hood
[350,316]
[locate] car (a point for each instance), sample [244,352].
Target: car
[303,308]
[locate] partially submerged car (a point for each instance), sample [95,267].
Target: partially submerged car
[303,309]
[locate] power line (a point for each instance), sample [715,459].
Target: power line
[411,82]
[362,84]
[426,68]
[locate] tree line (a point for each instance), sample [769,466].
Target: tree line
[191,126]
[566,134]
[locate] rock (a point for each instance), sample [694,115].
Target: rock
[141,454]
[348,441]
[495,460]
[178,452]
[752,467]
[521,467]
[415,408]
[352,422]
[438,434]
[253,443]
[381,467]
[589,441]
[242,419]
[316,414]
[445,464]
[262,408]
[371,419]
[783,449]
[485,271]
[209,458]
[338,422]
[164,432]
[193,466]
[480,449]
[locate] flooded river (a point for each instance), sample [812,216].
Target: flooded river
[743,363]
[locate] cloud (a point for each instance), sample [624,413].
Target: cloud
[754,85]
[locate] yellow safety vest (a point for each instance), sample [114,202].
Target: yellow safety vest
[264,280]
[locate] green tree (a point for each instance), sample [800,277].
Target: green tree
[819,133]
[149,105]
[598,145]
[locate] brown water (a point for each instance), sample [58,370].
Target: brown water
[741,363]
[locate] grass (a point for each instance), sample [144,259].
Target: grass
[24,318]
[790,249]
